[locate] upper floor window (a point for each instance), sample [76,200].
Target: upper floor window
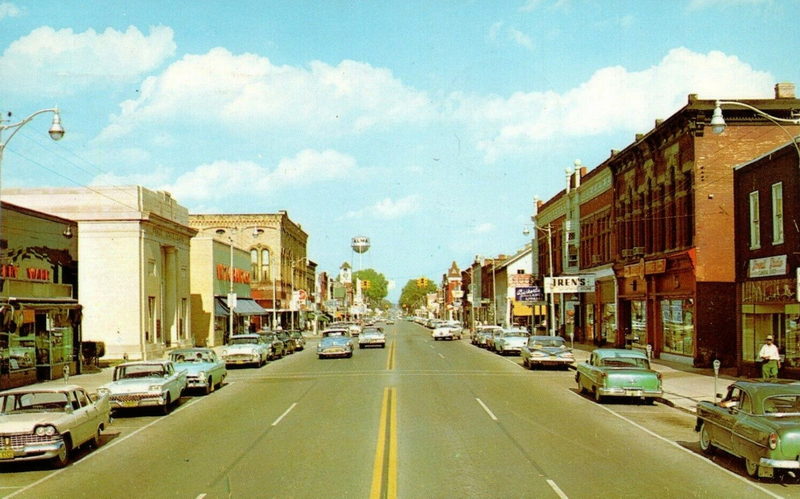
[755,226]
[777,213]
[259,265]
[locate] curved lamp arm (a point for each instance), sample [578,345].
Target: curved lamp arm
[718,122]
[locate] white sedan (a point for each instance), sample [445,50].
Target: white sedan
[443,332]
[371,337]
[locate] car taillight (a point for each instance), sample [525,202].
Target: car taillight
[658,374]
[773,441]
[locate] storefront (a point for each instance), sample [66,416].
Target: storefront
[770,307]
[40,319]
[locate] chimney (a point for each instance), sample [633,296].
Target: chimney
[784,90]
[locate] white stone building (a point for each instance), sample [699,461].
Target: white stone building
[133,264]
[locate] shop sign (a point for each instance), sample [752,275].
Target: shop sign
[528,294]
[655,266]
[769,266]
[569,284]
[457,294]
[520,280]
[239,276]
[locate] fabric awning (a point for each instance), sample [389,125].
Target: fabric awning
[244,306]
[220,308]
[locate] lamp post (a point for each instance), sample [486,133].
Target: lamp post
[718,122]
[549,230]
[56,130]
[231,295]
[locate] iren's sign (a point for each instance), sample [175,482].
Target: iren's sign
[569,284]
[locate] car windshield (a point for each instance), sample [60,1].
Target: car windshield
[330,334]
[140,371]
[637,362]
[242,341]
[514,334]
[548,343]
[782,405]
[33,402]
[189,357]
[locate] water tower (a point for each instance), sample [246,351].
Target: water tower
[360,245]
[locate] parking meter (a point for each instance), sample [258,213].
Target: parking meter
[716,365]
[649,352]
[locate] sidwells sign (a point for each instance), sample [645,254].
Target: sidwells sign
[569,284]
[528,293]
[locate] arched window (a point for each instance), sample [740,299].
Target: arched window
[265,274]
[254,265]
[259,265]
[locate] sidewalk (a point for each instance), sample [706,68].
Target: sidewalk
[683,385]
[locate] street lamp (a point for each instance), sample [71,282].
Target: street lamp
[56,130]
[231,295]
[549,230]
[718,122]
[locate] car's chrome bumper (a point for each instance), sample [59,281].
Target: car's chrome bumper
[630,392]
[789,464]
[196,383]
[132,403]
[545,361]
[32,451]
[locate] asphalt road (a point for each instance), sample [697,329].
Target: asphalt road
[418,419]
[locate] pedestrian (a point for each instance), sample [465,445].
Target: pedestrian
[770,358]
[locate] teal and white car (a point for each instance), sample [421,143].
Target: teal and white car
[613,372]
[335,343]
[204,370]
[510,341]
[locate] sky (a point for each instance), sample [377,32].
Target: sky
[427,126]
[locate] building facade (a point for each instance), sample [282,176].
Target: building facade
[134,283]
[40,326]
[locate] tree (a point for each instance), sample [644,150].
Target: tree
[376,290]
[415,292]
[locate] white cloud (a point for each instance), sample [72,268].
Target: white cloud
[613,99]
[8,9]
[387,208]
[222,179]
[248,92]
[521,38]
[482,228]
[62,61]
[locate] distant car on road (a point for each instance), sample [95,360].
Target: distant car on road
[335,343]
[442,332]
[39,423]
[204,370]
[371,337]
[619,373]
[542,351]
[510,341]
[756,421]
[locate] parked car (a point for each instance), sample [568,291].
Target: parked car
[492,337]
[276,347]
[335,343]
[442,332]
[246,349]
[38,423]
[758,421]
[482,334]
[619,373]
[145,383]
[542,351]
[510,341]
[204,370]
[289,345]
[371,337]
[299,340]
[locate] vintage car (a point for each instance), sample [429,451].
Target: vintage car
[145,383]
[371,337]
[758,421]
[289,345]
[335,343]
[299,340]
[482,334]
[492,337]
[48,422]
[442,332]
[246,349]
[546,351]
[510,341]
[619,373]
[204,370]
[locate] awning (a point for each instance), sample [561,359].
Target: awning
[244,306]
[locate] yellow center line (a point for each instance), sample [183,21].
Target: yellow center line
[384,469]
[390,359]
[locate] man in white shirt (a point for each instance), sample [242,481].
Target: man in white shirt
[771,359]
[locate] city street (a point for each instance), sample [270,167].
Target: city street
[420,418]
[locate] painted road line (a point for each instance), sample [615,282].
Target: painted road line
[556,489]
[489,412]
[440,355]
[390,359]
[384,469]
[275,423]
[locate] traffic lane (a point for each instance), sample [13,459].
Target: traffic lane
[538,409]
[229,440]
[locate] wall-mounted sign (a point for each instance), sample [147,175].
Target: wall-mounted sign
[769,266]
[569,284]
[528,294]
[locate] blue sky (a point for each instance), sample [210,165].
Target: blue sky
[426,126]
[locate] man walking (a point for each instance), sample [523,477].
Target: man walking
[770,358]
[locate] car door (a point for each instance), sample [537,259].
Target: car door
[724,419]
[748,433]
[82,419]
